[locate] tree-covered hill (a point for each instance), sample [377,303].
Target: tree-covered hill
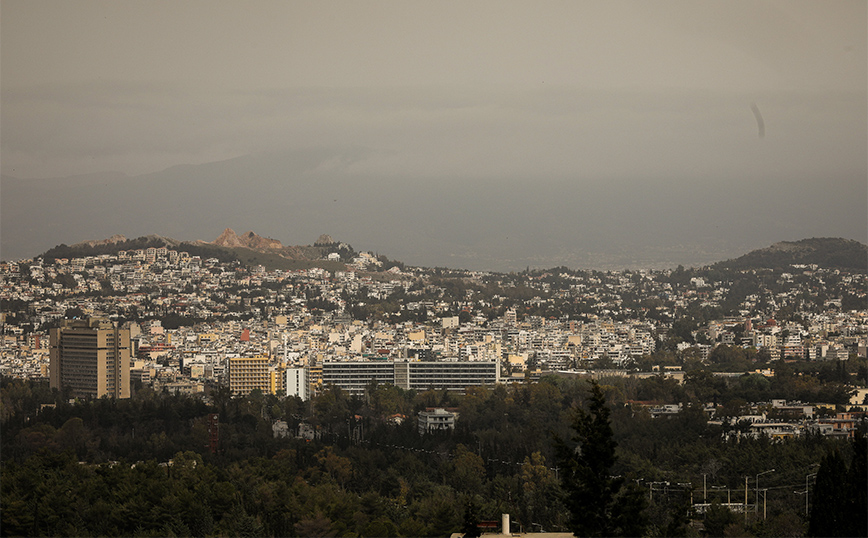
[286,258]
[98,248]
[827,252]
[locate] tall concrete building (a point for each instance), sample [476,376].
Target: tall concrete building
[247,374]
[298,382]
[91,357]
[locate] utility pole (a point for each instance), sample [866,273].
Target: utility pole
[744,508]
[728,494]
[807,490]
[756,498]
[805,493]
[765,493]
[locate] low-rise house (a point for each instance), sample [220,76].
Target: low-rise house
[437,419]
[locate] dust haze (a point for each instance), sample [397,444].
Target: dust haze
[489,136]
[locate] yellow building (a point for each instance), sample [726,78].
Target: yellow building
[206,338]
[418,336]
[277,381]
[315,377]
[91,357]
[248,374]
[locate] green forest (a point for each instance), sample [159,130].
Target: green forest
[557,455]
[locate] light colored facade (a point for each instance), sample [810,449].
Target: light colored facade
[434,420]
[298,383]
[446,375]
[91,357]
[843,426]
[247,374]
[355,376]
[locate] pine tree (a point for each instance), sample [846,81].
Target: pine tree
[600,504]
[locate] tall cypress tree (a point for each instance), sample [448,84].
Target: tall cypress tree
[857,480]
[841,498]
[600,504]
[829,513]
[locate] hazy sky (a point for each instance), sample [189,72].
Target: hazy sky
[586,91]
[456,88]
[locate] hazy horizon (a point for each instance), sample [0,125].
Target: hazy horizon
[486,135]
[499,224]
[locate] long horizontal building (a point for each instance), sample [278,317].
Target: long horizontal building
[355,376]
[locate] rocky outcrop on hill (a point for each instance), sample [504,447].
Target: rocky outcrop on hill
[324,240]
[249,240]
[228,239]
[255,241]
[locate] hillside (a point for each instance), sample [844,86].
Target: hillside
[828,252]
[112,245]
[248,249]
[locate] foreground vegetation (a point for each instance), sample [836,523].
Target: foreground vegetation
[142,467]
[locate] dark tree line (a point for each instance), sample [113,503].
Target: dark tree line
[103,466]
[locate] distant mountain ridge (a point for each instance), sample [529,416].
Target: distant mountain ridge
[251,248]
[827,252]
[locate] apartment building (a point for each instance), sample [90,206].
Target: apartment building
[355,376]
[445,375]
[91,357]
[298,382]
[247,374]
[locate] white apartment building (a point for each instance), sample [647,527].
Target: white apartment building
[298,382]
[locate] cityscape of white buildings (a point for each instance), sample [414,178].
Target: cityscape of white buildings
[302,322]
